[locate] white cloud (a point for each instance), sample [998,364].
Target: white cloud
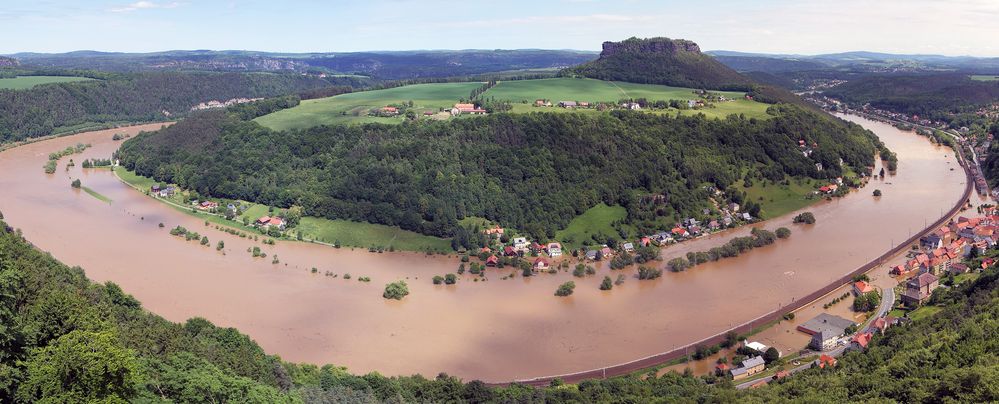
[143,5]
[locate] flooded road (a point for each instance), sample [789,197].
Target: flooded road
[494,330]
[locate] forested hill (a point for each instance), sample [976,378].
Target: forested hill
[674,62]
[41,110]
[932,96]
[64,339]
[531,171]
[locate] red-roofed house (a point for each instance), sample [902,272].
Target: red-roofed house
[861,287]
[541,264]
[861,340]
[276,222]
[509,251]
[826,360]
[492,261]
[645,241]
[881,324]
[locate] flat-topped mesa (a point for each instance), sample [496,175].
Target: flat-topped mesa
[649,45]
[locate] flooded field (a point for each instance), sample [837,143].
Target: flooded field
[494,330]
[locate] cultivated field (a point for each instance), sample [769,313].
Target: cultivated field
[354,107]
[26,82]
[978,77]
[523,93]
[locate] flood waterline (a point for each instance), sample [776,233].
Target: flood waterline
[493,330]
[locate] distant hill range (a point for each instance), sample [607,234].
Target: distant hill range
[675,62]
[859,61]
[380,65]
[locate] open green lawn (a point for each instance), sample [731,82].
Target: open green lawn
[980,77]
[776,200]
[131,178]
[970,276]
[26,82]
[597,219]
[924,312]
[354,107]
[358,234]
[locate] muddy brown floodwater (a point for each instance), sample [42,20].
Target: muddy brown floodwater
[496,330]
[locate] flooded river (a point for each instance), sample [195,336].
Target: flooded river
[494,330]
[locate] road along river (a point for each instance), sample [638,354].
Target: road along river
[495,330]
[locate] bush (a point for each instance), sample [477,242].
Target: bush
[877,192]
[783,232]
[677,264]
[565,289]
[450,279]
[805,217]
[607,284]
[645,272]
[75,183]
[438,279]
[866,302]
[396,290]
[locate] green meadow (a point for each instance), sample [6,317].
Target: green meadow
[778,199]
[523,93]
[26,82]
[596,220]
[365,235]
[354,107]
[981,77]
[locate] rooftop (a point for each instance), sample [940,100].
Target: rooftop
[826,323]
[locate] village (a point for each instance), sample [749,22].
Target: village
[942,259]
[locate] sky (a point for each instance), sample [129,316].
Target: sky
[947,27]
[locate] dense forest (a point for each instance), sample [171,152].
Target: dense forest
[138,97]
[64,339]
[532,171]
[932,96]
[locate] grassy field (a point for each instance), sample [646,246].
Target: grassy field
[522,94]
[26,82]
[776,200]
[358,234]
[979,77]
[597,219]
[354,107]
[924,312]
[96,194]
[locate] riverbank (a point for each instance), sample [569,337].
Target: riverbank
[474,330]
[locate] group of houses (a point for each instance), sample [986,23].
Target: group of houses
[943,252]
[466,108]
[222,104]
[162,191]
[687,229]
[519,247]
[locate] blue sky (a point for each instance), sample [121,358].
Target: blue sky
[951,27]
